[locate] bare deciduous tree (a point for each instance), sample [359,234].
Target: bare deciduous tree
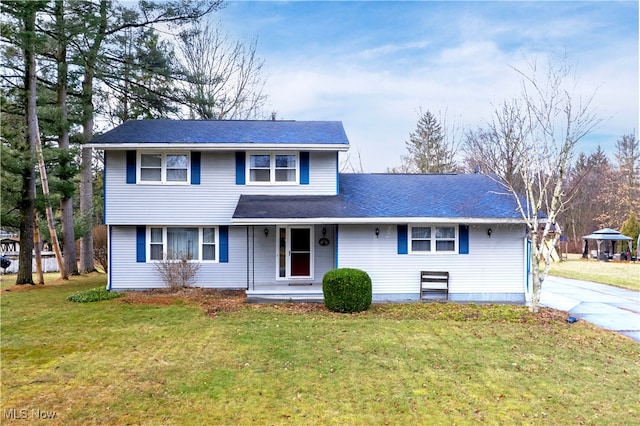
[552,122]
[589,180]
[101,247]
[496,147]
[223,78]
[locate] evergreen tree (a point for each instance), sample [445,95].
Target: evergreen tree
[428,149]
[20,31]
[631,228]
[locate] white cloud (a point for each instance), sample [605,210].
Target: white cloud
[387,49]
[454,62]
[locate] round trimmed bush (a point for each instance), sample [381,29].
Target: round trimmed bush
[347,290]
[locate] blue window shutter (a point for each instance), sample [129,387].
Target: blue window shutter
[337,173]
[131,167]
[403,240]
[141,244]
[463,239]
[195,168]
[109,255]
[240,165]
[224,244]
[304,168]
[104,191]
[335,255]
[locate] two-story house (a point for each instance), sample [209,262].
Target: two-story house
[262,206]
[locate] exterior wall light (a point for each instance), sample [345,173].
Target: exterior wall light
[489,231]
[377,232]
[266,232]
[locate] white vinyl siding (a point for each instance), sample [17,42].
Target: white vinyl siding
[494,265]
[213,201]
[126,273]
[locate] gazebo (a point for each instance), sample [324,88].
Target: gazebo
[600,236]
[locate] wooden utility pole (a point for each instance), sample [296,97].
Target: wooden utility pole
[37,249]
[49,210]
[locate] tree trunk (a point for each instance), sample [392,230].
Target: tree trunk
[66,202]
[86,176]
[86,209]
[37,249]
[28,191]
[536,283]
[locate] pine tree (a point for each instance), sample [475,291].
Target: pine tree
[428,149]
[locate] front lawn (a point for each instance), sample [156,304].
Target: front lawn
[164,360]
[618,273]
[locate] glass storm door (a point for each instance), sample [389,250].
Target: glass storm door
[294,252]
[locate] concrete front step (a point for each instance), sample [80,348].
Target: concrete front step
[285,295]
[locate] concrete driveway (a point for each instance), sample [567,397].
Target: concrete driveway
[609,307]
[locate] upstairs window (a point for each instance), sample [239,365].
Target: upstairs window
[273,168]
[163,168]
[433,239]
[259,168]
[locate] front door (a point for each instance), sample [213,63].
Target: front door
[295,252]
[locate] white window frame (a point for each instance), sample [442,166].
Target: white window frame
[201,242]
[163,164]
[433,239]
[272,168]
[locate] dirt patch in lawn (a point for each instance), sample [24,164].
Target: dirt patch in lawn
[24,287]
[213,301]
[210,300]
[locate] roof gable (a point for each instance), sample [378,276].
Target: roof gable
[224,132]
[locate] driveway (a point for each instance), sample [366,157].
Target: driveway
[609,307]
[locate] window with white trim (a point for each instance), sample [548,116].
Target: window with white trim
[176,243]
[433,239]
[163,168]
[209,244]
[272,168]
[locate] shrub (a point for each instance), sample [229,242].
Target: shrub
[100,247]
[94,295]
[178,273]
[347,290]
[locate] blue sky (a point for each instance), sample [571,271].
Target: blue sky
[373,65]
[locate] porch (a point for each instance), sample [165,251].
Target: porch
[286,293]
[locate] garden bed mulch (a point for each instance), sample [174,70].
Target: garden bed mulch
[212,301]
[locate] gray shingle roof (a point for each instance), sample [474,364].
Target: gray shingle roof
[225,131]
[391,196]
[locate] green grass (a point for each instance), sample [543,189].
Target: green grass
[93,295]
[620,274]
[117,363]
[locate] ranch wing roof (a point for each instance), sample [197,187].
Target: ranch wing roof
[454,196]
[224,131]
